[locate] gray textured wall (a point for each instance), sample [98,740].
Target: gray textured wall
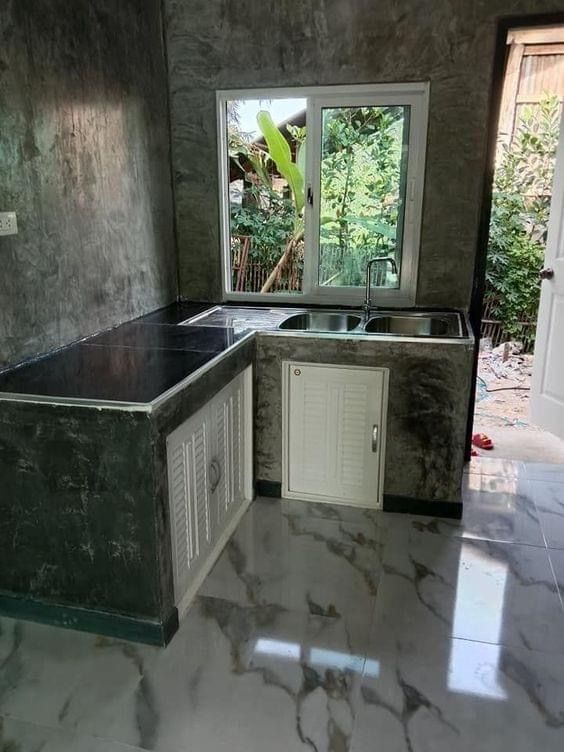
[84,160]
[214,44]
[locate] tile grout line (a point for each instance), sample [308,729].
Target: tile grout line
[558,588]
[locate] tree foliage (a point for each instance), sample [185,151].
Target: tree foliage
[360,188]
[361,171]
[274,221]
[520,210]
[269,219]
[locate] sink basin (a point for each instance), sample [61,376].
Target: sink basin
[415,325]
[322,321]
[390,323]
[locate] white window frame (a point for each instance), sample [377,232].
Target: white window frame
[416,96]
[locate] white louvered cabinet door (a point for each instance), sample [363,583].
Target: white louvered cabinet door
[237,448]
[209,478]
[191,524]
[227,458]
[220,481]
[334,433]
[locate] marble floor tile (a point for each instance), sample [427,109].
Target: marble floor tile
[51,676]
[500,509]
[544,471]
[557,561]
[485,465]
[471,589]
[548,497]
[17,736]
[304,563]
[496,509]
[370,518]
[244,679]
[328,629]
[443,695]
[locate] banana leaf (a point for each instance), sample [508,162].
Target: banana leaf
[279,152]
[301,159]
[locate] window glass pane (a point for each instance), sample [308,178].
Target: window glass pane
[363,183]
[266,140]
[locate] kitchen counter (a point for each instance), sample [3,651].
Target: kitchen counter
[130,365]
[84,510]
[138,364]
[84,521]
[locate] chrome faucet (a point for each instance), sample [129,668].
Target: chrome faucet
[381,260]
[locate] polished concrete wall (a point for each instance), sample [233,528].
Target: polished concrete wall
[84,161]
[213,44]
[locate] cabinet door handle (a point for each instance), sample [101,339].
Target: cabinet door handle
[375,438]
[215,475]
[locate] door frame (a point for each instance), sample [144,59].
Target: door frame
[504,25]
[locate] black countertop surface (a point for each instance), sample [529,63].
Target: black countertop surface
[132,363]
[139,361]
[175,313]
[121,374]
[168,337]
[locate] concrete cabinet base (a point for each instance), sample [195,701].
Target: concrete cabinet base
[426,416]
[334,432]
[84,507]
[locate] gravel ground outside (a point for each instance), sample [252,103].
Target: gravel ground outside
[502,411]
[503,388]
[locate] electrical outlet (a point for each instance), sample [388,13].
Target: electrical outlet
[8,223]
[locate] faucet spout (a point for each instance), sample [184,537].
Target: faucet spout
[367,305]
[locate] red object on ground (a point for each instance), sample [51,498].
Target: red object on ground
[482,441]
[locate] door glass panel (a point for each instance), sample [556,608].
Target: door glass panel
[362,193]
[265,171]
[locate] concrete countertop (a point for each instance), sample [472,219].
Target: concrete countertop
[137,365]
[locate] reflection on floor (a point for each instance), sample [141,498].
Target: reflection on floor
[331,629]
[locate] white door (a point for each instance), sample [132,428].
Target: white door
[547,389]
[334,433]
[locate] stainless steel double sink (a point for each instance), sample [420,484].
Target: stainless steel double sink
[389,323]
